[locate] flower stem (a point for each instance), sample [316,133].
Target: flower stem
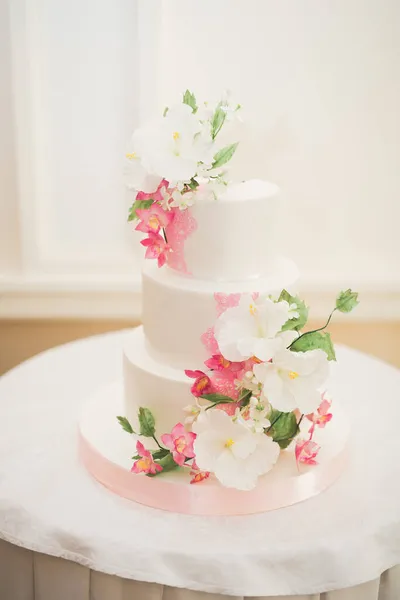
[313,330]
[300,420]
[157,442]
[165,235]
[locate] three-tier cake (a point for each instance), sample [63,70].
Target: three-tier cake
[223,403]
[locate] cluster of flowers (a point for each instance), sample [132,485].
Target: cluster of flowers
[263,377]
[174,161]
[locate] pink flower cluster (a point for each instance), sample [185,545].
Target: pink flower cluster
[306,451]
[180,443]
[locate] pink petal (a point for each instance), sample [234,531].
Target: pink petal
[168,441]
[178,430]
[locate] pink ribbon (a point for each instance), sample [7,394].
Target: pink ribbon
[208,498]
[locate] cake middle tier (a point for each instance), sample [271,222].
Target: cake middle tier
[177,310]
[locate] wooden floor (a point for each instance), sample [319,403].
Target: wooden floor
[21,339]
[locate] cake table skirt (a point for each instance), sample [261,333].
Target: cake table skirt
[51,509]
[26,575]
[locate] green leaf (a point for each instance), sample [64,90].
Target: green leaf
[224,155]
[220,398]
[167,463]
[193,184]
[146,422]
[138,204]
[157,454]
[166,109]
[136,457]
[346,301]
[217,121]
[126,426]
[245,396]
[302,309]
[283,427]
[314,340]
[190,99]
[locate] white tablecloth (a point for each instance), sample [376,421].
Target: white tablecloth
[344,537]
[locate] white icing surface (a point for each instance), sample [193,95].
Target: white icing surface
[235,235]
[163,389]
[177,310]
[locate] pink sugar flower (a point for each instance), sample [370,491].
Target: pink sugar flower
[180,442]
[153,218]
[306,452]
[145,464]
[321,417]
[157,195]
[218,363]
[197,474]
[202,384]
[157,247]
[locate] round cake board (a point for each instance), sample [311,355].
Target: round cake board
[106,451]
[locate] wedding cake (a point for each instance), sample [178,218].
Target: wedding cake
[223,404]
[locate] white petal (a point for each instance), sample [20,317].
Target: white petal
[232,472]
[244,444]
[265,456]
[208,447]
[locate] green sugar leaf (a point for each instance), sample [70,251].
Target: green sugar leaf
[283,427]
[314,340]
[299,322]
[138,204]
[224,155]
[167,463]
[126,426]
[190,99]
[146,422]
[217,121]
[347,301]
[219,398]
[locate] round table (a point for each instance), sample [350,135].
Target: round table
[51,509]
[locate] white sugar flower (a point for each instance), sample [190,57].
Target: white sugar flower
[293,379]
[236,455]
[182,201]
[174,145]
[138,175]
[258,411]
[251,329]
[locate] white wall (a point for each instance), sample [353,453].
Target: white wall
[320,86]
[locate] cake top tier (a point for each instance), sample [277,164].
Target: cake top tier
[194,219]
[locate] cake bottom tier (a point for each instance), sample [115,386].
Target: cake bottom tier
[107,450]
[154,385]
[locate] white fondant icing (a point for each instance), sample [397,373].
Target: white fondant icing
[234,237]
[157,386]
[177,310]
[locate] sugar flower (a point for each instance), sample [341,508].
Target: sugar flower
[232,452]
[218,363]
[180,442]
[257,412]
[292,379]
[321,417]
[157,247]
[251,328]
[182,201]
[174,145]
[153,219]
[196,474]
[138,175]
[202,384]
[306,452]
[145,464]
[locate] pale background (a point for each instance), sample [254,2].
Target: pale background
[320,84]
